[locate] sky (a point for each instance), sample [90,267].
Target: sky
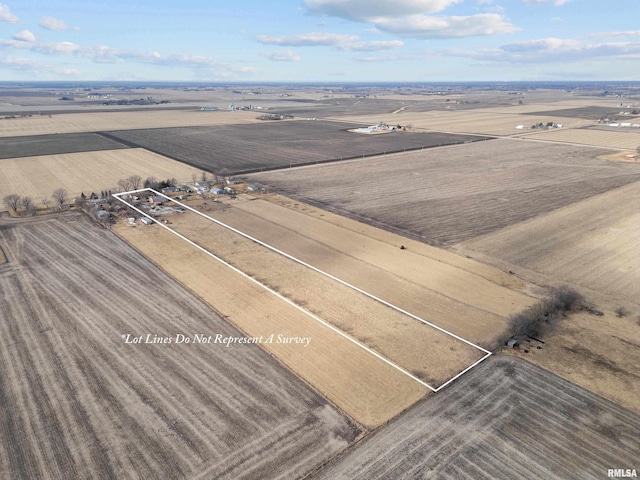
[319,40]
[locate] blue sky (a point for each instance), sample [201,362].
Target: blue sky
[319,40]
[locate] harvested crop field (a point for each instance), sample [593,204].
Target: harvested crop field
[477,122]
[31,146]
[623,139]
[86,172]
[591,112]
[423,281]
[362,385]
[592,244]
[447,195]
[505,419]
[78,401]
[269,145]
[105,121]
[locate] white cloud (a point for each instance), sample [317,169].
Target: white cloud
[410,18]
[339,41]
[552,50]
[555,2]
[6,15]
[365,10]
[374,46]
[544,44]
[307,39]
[281,56]
[627,33]
[39,69]
[25,36]
[50,23]
[423,26]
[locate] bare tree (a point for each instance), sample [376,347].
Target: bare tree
[12,202]
[134,181]
[203,176]
[27,203]
[60,196]
[194,177]
[45,202]
[123,184]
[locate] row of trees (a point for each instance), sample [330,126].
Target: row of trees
[14,202]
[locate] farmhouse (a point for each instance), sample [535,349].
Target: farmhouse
[157,200]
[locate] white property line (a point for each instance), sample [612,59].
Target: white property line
[384,302]
[315,317]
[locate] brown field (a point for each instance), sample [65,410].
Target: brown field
[505,419]
[362,385]
[79,402]
[447,195]
[592,244]
[268,145]
[106,121]
[416,279]
[39,176]
[621,139]
[408,343]
[479,121]
[34,145]
[422,280]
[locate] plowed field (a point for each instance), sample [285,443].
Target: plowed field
[79,402]
[450,194]
[506,419]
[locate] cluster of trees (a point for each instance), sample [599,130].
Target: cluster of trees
[14,202]
[533,321]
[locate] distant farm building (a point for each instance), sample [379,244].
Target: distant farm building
[157,200]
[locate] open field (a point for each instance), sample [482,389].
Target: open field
[361,384]
[505,419]
[39,176]
[623,139]
[447,195]
[422,280]
[479,122]
[118,120]
[592,244]
[14,147]
[78,401]
[430,355]
[276,144]
[591,112]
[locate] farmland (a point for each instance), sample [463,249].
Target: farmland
[451,194]
[118,120]
[591,112]
[79,401]
[362,385]
[505,419]
[31,146]
[596,249]
[623,139]
[84,172]
[276,144]
[480,122]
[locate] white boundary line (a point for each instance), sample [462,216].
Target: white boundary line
[384,302]
[315,317]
